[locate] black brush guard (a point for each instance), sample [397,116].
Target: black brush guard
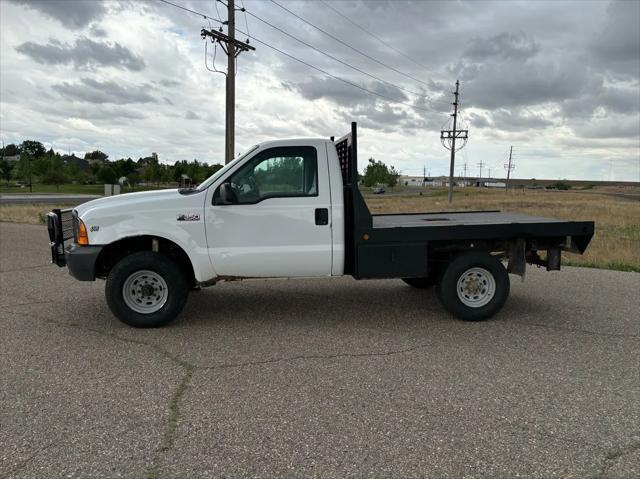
[61,225]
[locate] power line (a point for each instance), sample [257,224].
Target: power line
[337,59]
[347,45]
[393,100]
[335,77]
[246,22]
[399,52]
[206,17]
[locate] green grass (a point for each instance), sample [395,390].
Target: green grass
[612,265]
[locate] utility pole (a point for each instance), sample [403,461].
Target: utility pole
[30,177]
[450,137]
[230,123]
[481,164]
[509,166]
[232,48]
[465,174]
[489,172]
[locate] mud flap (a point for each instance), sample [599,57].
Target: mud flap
[517,261]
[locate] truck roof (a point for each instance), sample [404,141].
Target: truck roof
[293,142]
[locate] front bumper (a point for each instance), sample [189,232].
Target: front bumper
[81,261]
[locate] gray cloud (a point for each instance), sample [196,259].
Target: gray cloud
[617,48]
[516,83]
[518,120]
[190,115]
[628,127]
[106,113]
[92,91]
[84,54]
[342,93]
[479,121]
[169,83]
[72,14]
[97,31]
[504,45]
[612,99]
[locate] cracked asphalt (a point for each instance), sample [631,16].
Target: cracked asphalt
[317,378]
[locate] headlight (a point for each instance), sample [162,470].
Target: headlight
[80,232]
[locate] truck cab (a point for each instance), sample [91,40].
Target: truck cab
[292,208]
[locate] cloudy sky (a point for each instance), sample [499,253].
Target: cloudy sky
[560,81]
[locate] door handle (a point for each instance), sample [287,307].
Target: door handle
[322,216]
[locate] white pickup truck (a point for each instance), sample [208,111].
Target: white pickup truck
[292,208]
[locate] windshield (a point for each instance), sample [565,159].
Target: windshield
[206,183]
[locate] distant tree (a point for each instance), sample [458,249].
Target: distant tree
[6,170]
[178,170]
[167,174]
[377,173]
[40,166]
[74,173]
[95,168]
[55,174]
[34,149]
[23,168]
[11,150]
[96,155]
[133,179]
[107,175]
[210,170]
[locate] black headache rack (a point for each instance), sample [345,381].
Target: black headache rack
[61,225]
[408,244]
[357,214]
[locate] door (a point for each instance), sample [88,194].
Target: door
[276,222]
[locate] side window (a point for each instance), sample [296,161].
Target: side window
[276,173]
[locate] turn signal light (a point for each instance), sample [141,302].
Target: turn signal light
[82,236]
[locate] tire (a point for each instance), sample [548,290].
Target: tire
[474,286]
[156,286]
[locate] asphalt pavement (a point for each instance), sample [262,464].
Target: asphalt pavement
[317,378]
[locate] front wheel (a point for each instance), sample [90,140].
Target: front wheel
[474,286]
[146,290]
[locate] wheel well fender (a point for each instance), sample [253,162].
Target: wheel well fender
[114,252]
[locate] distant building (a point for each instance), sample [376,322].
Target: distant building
[488,183]
[419,181]
[80,163]
[185,181]
[14,158]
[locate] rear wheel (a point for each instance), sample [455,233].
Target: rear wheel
[146,290]
[474,286]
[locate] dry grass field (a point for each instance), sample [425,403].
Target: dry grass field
[33,214]
[616,211]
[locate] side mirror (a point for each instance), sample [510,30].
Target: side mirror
[226,194]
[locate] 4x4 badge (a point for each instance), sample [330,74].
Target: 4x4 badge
[189,217]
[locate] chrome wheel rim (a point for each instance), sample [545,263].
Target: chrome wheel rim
[476,287]
[145,292]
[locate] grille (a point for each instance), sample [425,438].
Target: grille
[67,224]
